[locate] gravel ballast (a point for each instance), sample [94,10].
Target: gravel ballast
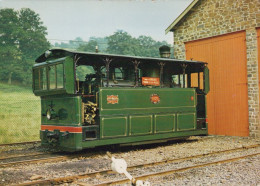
[241,172]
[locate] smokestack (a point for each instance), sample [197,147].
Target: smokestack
[165,51]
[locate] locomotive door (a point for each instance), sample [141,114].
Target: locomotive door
[227,101]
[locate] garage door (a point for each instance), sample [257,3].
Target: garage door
[227,102]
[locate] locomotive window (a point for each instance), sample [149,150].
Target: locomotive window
[43,79]
[114,73]
[118,73]
[59,72]
[36,76]
[40,80]
[176,81]
[56,76]
[83,70]
[52,76]
[103,71]
[183,82]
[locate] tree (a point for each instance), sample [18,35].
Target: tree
[32,40]
[22,39]
[123,43]
[89,47]
[149,47]
[9,51]
[72,44]
[75,43]
[101,42]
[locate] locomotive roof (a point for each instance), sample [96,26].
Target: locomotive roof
[59,53]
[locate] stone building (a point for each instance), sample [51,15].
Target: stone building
[225,33]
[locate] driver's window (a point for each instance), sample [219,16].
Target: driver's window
[118,73]
[104,72]
[83,70]
[176,81]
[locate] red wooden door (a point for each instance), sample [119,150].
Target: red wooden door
[258,51]
[227,102]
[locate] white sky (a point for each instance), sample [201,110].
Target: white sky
[68,19]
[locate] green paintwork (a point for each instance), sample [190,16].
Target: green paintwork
[186,121]
[110,124]
[136,116]
[66,107]
[140,125]
[143,138]
[165,123]
[72,142]
[137,100]
[69,75]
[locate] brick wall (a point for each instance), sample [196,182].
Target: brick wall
[216,17]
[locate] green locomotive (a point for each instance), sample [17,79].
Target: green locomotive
[93,99]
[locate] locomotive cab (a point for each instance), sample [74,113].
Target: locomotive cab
[90,99]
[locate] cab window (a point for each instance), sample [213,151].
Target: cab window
[60,73]
[52,77]
[48,78]
[56,79]
[40,79]
[83,70]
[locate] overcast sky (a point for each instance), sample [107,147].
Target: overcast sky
[68,19]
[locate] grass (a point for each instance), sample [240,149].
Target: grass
[19,114]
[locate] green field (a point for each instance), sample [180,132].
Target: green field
[19,114]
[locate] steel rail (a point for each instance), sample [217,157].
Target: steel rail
[20,143]
[171,171]
[69,179]
[34,154]
[37,160]
[47,157]
[22,155]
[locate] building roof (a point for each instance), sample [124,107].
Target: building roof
[181,16]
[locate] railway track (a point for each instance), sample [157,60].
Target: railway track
[69,179]
[32,158]
[36,157]
[21,143]
[9,157]
[171,171]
